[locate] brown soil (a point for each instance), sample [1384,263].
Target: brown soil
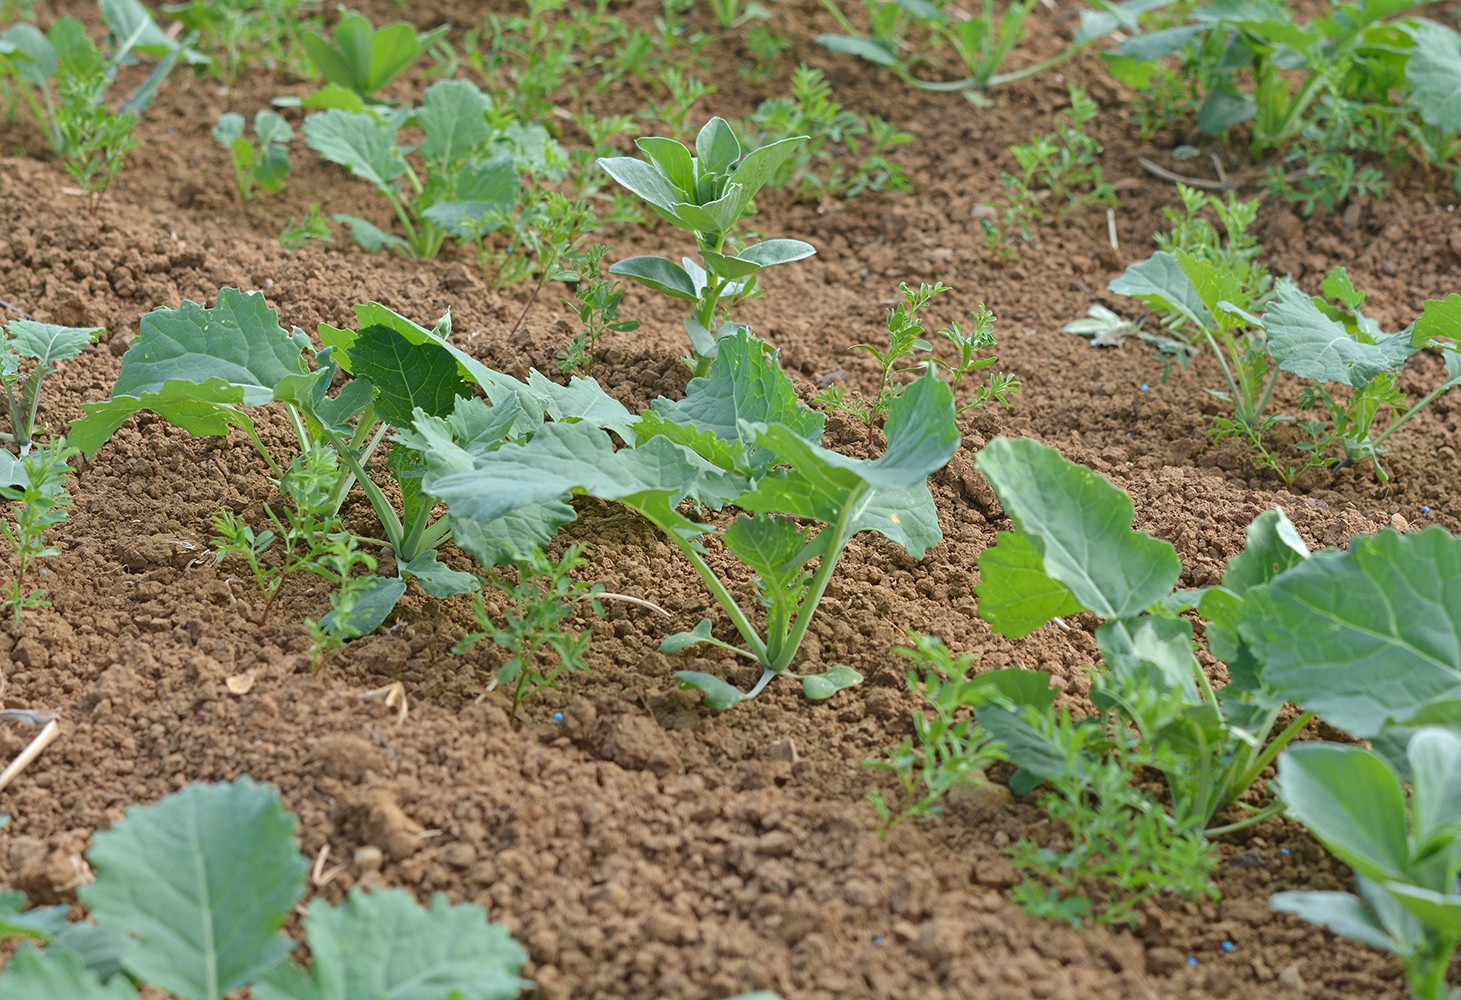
[642,847]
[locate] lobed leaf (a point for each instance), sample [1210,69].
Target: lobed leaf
[203,880]
[1311,345]
[33,974]
[363,144]
[1081,526]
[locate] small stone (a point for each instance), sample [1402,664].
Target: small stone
[785,750]
[369,858]
[995,871]
[1289,978]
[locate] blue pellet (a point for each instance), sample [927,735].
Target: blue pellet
[1144,387]
[1227,946]
[878,940]
[557,716]
[1191,960]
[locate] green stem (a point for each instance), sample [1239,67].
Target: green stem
[722,597]
[1273,809]
[1397,423]
[378,501]
[851,510]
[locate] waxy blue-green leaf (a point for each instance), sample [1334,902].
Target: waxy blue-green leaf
[203,880]
[130,21]
[1434,73]
[716,147]
[48,343]
[856,45]
[820,687]
[1081,525]
[644,180]
[239,340]
[745,386]
[363,144]
[56,973]
[769,253]
[205,409]
[406,376]
[773,548]
[719,695]
[826,486]
[1160,281]
[41,923]
[383,945]
[438,579]
[673,161]
[1435,766]
[484,198]
[371,237]
[1367,638]
[365,58]
[375,598]
[1342,912]
[1311,345]
[662,275]
[453,114]
[1353,801]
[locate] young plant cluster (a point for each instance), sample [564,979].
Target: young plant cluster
[1156,712]
[1323,99]
[190,897]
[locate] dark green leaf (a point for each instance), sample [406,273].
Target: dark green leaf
[406,376]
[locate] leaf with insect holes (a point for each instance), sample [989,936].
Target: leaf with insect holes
[382,944]
[33,974]
[203,880]
[1080,525]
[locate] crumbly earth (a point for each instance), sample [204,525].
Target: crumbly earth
[642,847]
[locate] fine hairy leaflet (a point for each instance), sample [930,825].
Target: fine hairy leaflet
[740,437]
[1406,855]
[190,895]
[706,194]
[204,369]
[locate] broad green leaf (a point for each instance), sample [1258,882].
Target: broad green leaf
[506,539]
[719,695]
[453,114]
[1435,767]
[438,579]
[229,128]
[371,237]
[1016,596]
[38,60]
[238,341]
[1214,285]
[820,687]
[271,128]
[745,385]
[1081,525]
[1155,655]
[204,880]
[1439,320]
[485,194]
[41,923]
[383,945]
[1434,74]
[364,145]
[758,167]
[1352,800]
[1273,546]
[717,147]
[856,45]
[773,548]
[1343,913]
[581,400]
[769,253]
[1160,281]
[1224,107]
[129,20]
[1311,345]
[826,486]
[563,458]
[659,274]
[101,949]
[54,974]
[681,641]
[48,343]
[644,180]
[673,161]
[374,602]
[1367,637]
[406,376]
[205,409]
[1439,913]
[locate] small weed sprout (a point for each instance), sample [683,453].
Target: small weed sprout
[309,535]
[596,301]
[262,163]
[1063,166]
[38,506]
[541,596]
[948,748]
[908,353]
[313,228]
